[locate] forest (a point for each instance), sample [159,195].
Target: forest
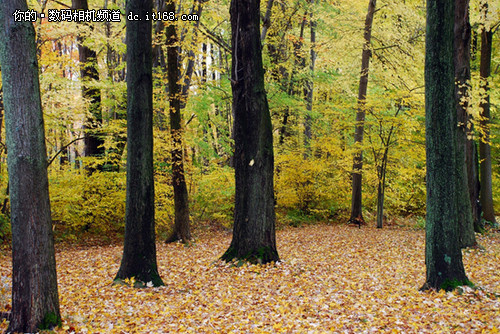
[243,166]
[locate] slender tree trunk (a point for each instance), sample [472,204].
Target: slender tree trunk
[484,124]
[472,162]
[266,21]
[139,252]
[381,192]
[35,300]
[310,88]
[462,34]
[254,236]
[381,182]
[159,63]
[197,10]
[357,167]
[181,226]
[93,142]
[443,257]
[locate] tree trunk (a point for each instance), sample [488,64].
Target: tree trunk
[484,124]
[357,166]
[196,10]
[181,226]
[254,236]
[266,22]
[309,90]
[443,256]
[139,252]
[472,162]
[381,182]
[93,142]
[35,299]
[462,34]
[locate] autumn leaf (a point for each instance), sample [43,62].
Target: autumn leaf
[335,279]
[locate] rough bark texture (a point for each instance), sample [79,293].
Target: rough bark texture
[254,217]
[181,226]
[357,166]
[484,124]
[443,256]
[139,253]
[88,71]
[35,301]
[462,33]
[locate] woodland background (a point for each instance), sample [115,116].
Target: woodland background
[308,187]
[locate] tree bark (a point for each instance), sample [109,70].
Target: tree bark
[266,21]
[254,236]
[309,89]
[462,34]
[35,299]
[139,252]
[93,142]
[181,226]
[484,124]
[357,166]
[443,256]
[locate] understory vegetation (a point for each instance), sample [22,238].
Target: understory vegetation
[313,181]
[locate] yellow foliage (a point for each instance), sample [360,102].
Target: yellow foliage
[81,203]
[212,197]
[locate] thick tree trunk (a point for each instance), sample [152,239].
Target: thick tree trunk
[139,252]
[443,256]
[35,301]
[357,166]
[462,33]
[93,143]
[484,124]
[181,226]
[254,236]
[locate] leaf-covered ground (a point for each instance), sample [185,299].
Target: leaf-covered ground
[336,279]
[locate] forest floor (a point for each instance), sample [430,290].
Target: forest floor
[332,279]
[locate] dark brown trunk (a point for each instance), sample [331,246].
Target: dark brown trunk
[254,236]
[462,35]
[484,124]
[181,229]
[93,141]
[443,256]
[35,301]
[139,251]
[309,89]
[472,162]
[357,166]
